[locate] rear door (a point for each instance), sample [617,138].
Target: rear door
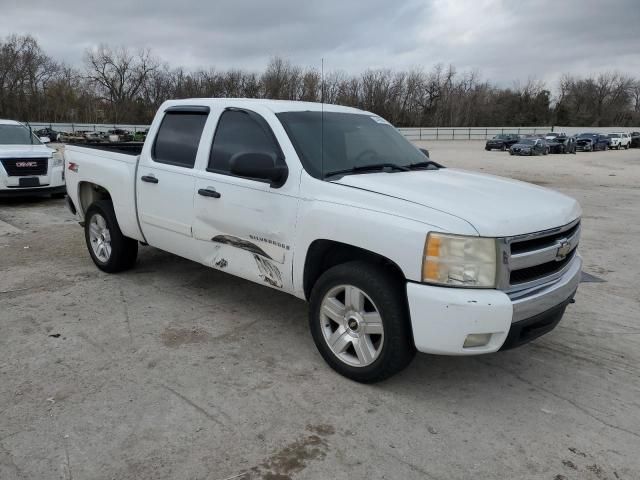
[165,180]
[247,226]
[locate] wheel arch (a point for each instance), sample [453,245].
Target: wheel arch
[88,193]
[324,254]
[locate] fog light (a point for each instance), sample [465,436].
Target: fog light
[476,340]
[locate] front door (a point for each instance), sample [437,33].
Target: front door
[242,225]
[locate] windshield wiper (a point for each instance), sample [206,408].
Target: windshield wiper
[367,168]
[426,164]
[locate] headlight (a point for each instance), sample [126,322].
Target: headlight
[459,261]
[57,159]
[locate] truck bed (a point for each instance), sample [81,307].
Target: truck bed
[110,167]
[128,148]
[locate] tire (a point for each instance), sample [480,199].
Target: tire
[503,148]
[377,291]
[118,253]
[487,149]
[510,152]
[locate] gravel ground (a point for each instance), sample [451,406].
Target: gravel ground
[176,371]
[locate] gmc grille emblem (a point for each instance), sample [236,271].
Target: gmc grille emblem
[26,164]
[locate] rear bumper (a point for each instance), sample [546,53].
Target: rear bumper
[442,318]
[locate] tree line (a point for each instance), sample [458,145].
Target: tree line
[119,85]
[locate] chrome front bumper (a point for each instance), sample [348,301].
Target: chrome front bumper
[538,299]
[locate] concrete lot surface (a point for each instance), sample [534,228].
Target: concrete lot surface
[176,371]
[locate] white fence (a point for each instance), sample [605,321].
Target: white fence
[470,133]
[417,133]
[88,127]
[479,133]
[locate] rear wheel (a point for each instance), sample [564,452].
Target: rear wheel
[359,321]
[110,250]
[503,148]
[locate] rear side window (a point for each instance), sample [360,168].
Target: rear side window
[240,131]
[178,138]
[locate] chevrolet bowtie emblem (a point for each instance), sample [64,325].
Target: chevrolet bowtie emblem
[563,250]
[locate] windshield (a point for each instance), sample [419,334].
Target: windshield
[526,141]
[346,140]
[16,135]
[614,135]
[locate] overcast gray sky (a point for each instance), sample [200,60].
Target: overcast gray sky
[505,40]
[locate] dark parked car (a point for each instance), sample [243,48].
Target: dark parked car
[562,145]
[529,146]
[502,141]
[48,132]
[590,142]
[635,140]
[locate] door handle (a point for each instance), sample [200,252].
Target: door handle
[149,179]
[209,192]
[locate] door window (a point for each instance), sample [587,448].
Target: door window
[241,131]
[178,137]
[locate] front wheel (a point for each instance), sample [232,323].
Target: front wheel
[110,250]
[359,321]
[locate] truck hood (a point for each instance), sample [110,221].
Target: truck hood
[25,151]
[495,206]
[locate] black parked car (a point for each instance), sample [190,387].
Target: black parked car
[49,132]
[502,141]
[529,146]
[562,145]
[590,142]
[635,140]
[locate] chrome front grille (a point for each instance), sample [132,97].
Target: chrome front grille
[537,258]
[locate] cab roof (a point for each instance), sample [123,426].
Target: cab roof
[276,106]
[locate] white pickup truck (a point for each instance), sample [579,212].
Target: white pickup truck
[333,205]
[27,166]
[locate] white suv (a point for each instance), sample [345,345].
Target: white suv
[620,140]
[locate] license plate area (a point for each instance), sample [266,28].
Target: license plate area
[29,182]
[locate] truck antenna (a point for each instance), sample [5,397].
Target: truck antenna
[322,118]
[30,133]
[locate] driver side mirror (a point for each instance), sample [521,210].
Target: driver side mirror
[425,152]
[259,165]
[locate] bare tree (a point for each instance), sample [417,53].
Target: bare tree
[119,75]
[120,85]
